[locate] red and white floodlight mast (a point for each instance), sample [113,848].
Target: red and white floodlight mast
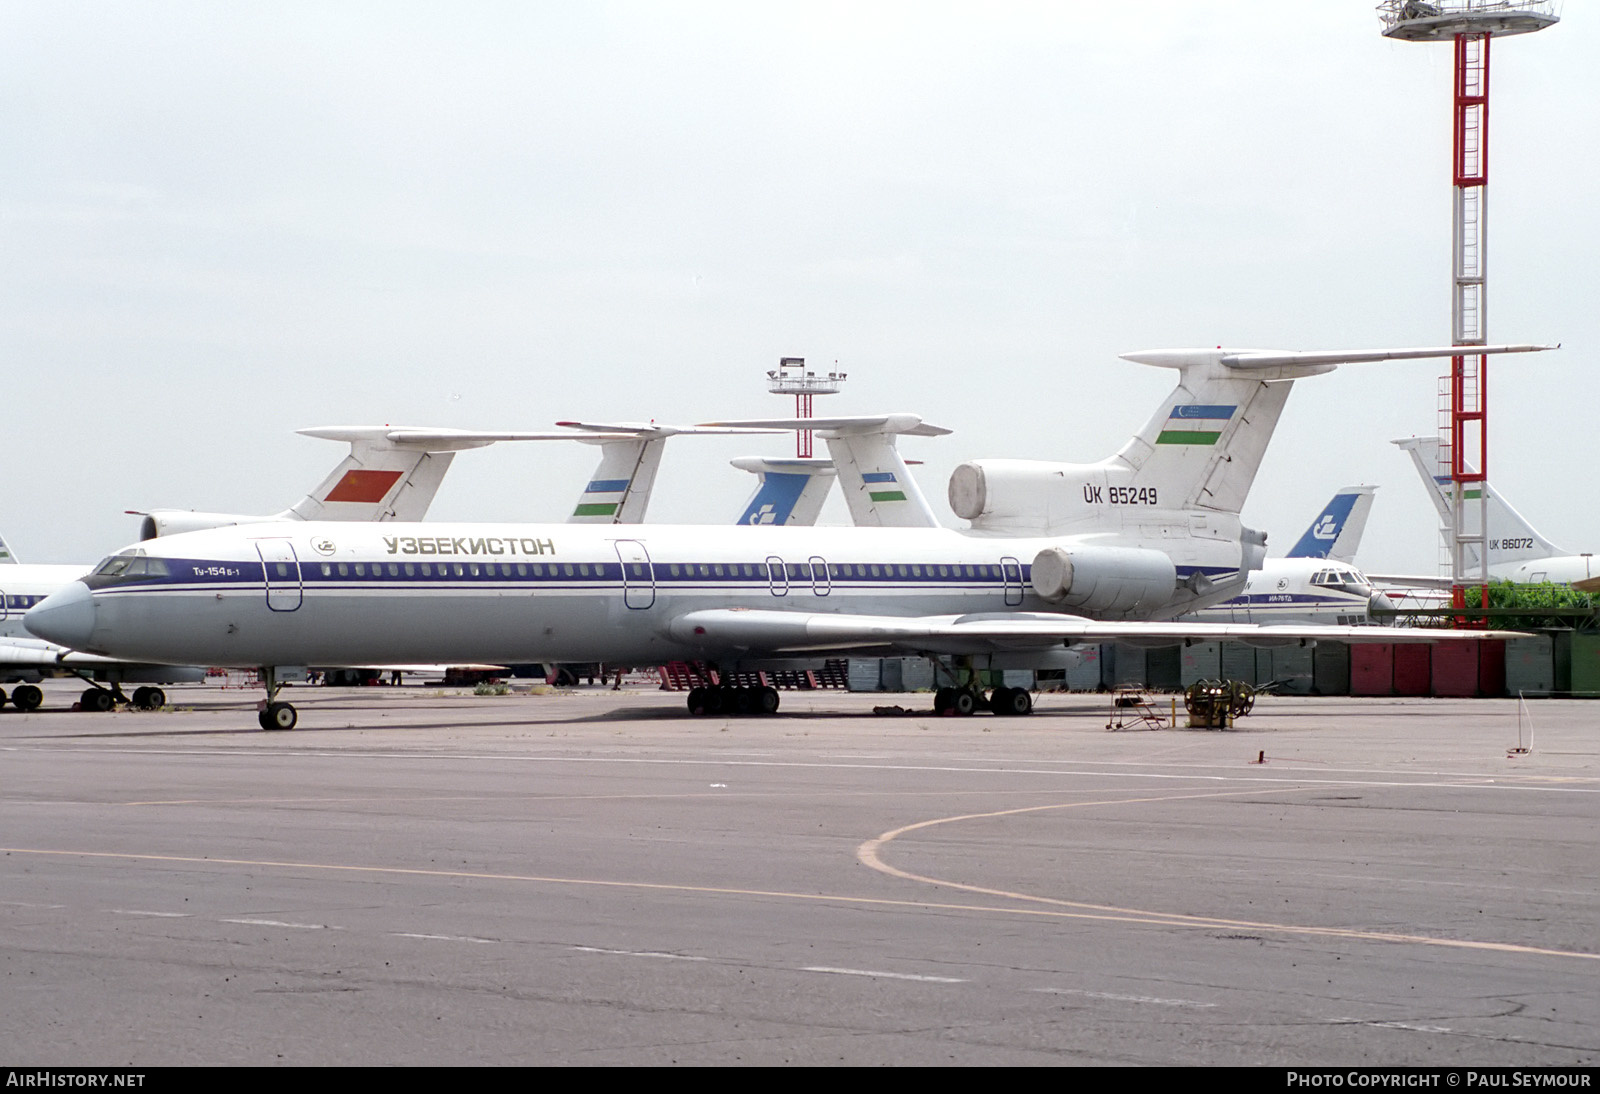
[1464,395]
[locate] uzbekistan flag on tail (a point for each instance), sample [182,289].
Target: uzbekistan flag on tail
[887,486]
[591,505]
[1196,423]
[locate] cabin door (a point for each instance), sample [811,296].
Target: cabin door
[282,572]
[638,575]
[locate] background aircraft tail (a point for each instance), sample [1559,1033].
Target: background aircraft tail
[1337,531]
[789,491]
[877,485]
[620,488]
[1509,536]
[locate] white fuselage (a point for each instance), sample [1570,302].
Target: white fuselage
[22,585]
[1298,590]
[318,593]
[1560,569]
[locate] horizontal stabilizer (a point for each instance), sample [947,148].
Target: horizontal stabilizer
[648,430]
[910,425]
[1248,359]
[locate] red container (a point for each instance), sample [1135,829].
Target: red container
[1372,669]
[1455,669]
[1413,662]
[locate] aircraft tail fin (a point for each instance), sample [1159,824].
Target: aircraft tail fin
[877,485]
[1509,536]
[1336,532]
[1202,448]
[619,491]
[382,479]
[788,491]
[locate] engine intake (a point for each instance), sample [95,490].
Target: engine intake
[171,522]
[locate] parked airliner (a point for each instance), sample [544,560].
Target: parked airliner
[1317,582]
[1056,554]
[1517,552]
[391,473]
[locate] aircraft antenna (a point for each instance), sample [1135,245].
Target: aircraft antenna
[1469,25]
[792,378]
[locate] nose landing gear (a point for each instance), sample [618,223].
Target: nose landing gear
[273,714]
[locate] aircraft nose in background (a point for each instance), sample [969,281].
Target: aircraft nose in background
[66,616]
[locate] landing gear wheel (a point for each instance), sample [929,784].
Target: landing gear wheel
[149,698]
[766,700]
[963,702]
[2,697]
[943,699]
[98,700]
[27,697]
[278,716]
[1011,701]
[697,700]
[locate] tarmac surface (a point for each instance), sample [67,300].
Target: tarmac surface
[426,876]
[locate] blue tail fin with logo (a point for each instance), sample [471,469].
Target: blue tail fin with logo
[1336,533]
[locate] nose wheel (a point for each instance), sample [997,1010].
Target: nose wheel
[278,716]
[275,715]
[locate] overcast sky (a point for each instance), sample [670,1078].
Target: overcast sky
[223,222]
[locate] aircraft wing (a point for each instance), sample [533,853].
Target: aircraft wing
[1415,581]
[39,654]
[762,631]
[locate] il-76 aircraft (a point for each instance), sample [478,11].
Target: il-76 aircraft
[1056,554]
[1317,582]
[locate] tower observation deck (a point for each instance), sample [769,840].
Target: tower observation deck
[792,378]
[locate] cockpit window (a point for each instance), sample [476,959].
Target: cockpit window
[126,567]
[115,565]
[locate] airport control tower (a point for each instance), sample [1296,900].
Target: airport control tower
[1470,25]
[791,378]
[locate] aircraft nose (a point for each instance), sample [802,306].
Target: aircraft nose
[1380,605]
[65,617]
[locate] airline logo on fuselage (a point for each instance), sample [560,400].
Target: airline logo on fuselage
[468,545]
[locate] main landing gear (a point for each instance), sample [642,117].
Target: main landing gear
[273,714]
[24,697]
[968,697]
[100,700]
[733,700]
[969,700]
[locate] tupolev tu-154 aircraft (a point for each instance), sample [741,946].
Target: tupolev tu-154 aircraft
[1056,554]
[390,473]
